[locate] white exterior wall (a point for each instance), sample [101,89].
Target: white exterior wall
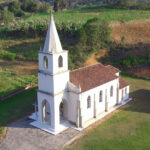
[50,62]
[64,55]
[88,113]
[50,100]
[60,81]
[72,109]
[125,96]
[45,83]
[53,62]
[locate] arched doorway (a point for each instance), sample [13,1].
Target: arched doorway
[46,113]
[61,112]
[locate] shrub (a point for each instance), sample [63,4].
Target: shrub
[98,31]
[44,7]
[59,5]
[8,55]
[7,16]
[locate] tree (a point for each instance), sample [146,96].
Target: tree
[60,5]
[94,35]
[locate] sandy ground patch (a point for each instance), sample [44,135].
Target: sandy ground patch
[95,56]
[134,31]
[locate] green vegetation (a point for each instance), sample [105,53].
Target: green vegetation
[15,108]
[99,32]
[70,21]
[18,48]
[21,7]
[129,4]
[6,16]
[128,129]
[60,5]
[123,56]
[10,81]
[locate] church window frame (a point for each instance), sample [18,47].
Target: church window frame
[101,96]
[45,62]
[89,102]
[111,91]
[60,61]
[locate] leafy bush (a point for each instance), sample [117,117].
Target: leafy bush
[93,36]
[59,5]
[98,31]
[8,55]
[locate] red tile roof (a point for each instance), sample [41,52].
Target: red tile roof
[92,76]
[122,83]
[113,69]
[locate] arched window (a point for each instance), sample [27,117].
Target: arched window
[89,102]
[125,90]
[46,112]
[45,62]
[100,96]
[60,61]
[111,91]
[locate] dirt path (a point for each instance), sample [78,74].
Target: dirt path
[95,56]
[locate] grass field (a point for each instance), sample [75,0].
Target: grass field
[15,108]
[10,81]
[128,129]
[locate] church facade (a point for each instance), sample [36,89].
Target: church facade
[73,98]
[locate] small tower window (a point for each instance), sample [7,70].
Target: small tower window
[45,62]
[89,102]
[60,61]
[100,96]
[111,91]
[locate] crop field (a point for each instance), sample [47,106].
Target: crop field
[74,19]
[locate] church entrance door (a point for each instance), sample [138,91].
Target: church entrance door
[61,111]
[46,115]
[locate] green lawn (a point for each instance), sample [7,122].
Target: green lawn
[10,81]
[129,129]
[15,108]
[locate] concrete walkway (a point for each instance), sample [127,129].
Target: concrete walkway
[22,136]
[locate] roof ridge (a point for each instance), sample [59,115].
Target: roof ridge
[87,67]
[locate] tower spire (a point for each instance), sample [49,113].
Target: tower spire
[52,42]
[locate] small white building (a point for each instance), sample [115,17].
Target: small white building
[73,98]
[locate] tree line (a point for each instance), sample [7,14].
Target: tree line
[129,4]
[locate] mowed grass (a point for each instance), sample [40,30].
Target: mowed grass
[10,81]
[15,108]
[128,129]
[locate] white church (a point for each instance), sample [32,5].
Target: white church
[76,98]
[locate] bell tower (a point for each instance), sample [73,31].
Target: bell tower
[53,76]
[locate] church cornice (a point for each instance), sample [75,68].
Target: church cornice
[51,94]
[54,53]
[50,74]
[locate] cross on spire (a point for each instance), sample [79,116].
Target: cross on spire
[52,42]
